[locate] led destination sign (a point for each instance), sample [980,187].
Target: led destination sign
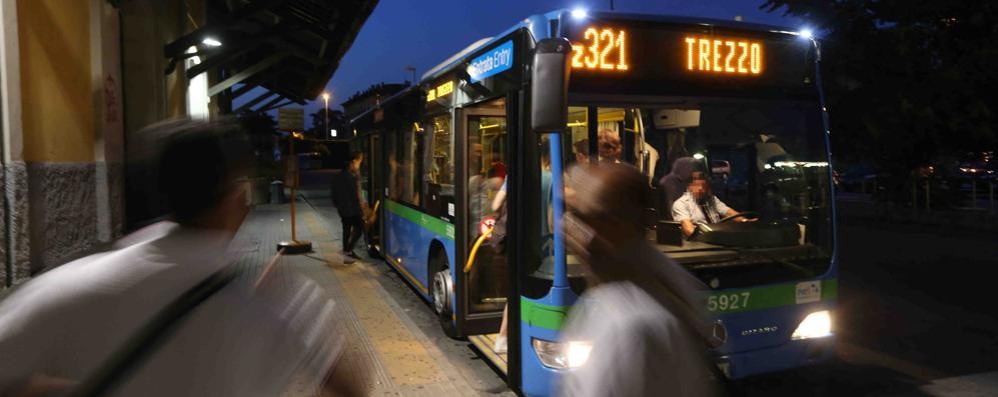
[649,57]
[606,49]
[723,55]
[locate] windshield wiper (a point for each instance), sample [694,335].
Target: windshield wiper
[743,253]
[790,265]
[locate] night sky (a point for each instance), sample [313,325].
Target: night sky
[425,33]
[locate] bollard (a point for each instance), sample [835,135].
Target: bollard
[973,193]
[277,192]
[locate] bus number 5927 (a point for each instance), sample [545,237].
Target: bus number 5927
[727,302]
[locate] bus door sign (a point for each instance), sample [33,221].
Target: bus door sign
[497,60]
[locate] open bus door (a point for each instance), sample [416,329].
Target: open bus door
[480,278]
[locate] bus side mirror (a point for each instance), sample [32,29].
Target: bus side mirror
[549,85]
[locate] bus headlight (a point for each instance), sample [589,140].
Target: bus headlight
[815,325]
[562,355]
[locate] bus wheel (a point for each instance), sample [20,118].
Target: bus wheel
[442,287]
[442,291]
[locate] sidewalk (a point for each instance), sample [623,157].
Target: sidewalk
[386,347]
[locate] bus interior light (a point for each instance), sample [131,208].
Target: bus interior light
[208,41]
[815,325]
[579,13]
[806,33]
[698,156]
[562,355]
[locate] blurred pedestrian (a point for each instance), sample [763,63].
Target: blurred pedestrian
[350,205]
[641,313]
[166,314]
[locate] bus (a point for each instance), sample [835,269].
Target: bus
[512,112]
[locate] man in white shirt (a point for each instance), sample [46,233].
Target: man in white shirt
[62,329]
[698,206]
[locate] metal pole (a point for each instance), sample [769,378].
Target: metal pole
[294,182]
[928,207]
[326,118]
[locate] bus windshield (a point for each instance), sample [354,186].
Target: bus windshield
[749,178]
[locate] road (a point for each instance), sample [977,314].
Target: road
[917,316]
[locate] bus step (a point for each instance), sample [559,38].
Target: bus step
[493,300]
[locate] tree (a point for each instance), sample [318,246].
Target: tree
[905,81]
[337,121]
[262,133]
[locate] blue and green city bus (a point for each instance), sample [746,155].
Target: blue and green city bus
[644,90]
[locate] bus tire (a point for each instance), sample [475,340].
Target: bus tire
[442,293]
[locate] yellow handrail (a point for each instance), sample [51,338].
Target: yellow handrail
[374,213]
[474,250]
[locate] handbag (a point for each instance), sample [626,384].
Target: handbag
[498,239]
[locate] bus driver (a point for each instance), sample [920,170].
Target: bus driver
[699,206]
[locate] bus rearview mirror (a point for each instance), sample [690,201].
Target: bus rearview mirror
[549,85]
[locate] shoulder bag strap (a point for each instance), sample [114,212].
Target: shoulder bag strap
[150,337]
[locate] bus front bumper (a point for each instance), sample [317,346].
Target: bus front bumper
[793,354]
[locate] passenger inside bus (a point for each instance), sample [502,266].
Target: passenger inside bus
[499,202]
[609,148]
[698,206]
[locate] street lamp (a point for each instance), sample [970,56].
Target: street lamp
[325,97]
[410,68]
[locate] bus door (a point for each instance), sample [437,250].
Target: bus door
[376,197]
[481,277]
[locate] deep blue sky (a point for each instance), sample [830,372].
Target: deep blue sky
[424,33]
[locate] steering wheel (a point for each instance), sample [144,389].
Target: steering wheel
[747,214]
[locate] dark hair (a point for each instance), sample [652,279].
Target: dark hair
[356,154]
[617,190]
[582,146]
[544,149]
[198,163]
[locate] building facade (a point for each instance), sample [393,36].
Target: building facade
[80,79]
[77,80]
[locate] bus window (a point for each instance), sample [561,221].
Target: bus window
[763,158]
[442,169]
[438,170]
[404,164]
[578,127]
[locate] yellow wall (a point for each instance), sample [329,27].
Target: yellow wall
[58,111]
